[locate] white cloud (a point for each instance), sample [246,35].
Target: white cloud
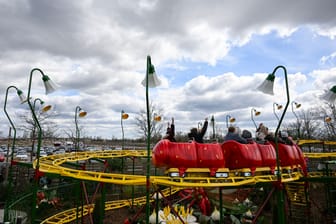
[96,51]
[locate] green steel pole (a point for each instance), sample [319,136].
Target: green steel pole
[35,187]
[9,189]
[148,145]
[280,191]
[77,130]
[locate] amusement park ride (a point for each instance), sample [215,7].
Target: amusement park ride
[188,168]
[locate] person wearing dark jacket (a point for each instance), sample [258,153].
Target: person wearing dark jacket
[232,135]
[170,134]
[197,135]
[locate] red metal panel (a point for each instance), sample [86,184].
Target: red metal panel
[240,156]
[268,155]
[287,156]
[210,155]
[175,154]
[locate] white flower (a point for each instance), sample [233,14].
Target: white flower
[215,215]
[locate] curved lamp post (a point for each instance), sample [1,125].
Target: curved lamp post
[267,87]
[278,107]
[150,81]
[124,116]
[23,99]
[297,106]
[229,119]
[79,112]
[254,112]
[44,109]
[49,87]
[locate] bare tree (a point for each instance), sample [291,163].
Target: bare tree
[155,125]
[307,126]
[312,123]
[43,118]
[328,119]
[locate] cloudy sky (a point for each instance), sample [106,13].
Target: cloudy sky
[209,55]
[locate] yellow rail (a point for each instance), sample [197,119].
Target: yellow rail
[54,164]
[71,214]
[309,141]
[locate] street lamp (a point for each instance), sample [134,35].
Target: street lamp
[229,119]
[150,81]
[124,116]
[297,106]
[157,118]
[44,109]
[267,87]
[49,87]
[80,113]
[23,99]
[327,119]
[254,112]
[278,107]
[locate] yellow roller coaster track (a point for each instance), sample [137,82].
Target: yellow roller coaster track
[71,214]
[53,164]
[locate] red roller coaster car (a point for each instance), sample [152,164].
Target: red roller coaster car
[226,159]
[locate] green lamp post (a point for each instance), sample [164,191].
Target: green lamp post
[229,119]
[44,109]
[267,87]
[124,116]
[79,112]
[254,112]
[278,107]
[297,106]
[49,87]
[150,81]
[23,99]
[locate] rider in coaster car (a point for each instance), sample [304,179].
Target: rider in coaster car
[233,135]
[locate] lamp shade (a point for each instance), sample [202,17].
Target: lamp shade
[124,116]
[330,95]
[48,84]
[153,80]
[279,106]
[82,114]
[232,119]
[46,108]
[297,105]
[267,85]
[22,96]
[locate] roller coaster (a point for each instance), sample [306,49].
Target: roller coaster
[59,165]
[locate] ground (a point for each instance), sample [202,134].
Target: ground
[117,216]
